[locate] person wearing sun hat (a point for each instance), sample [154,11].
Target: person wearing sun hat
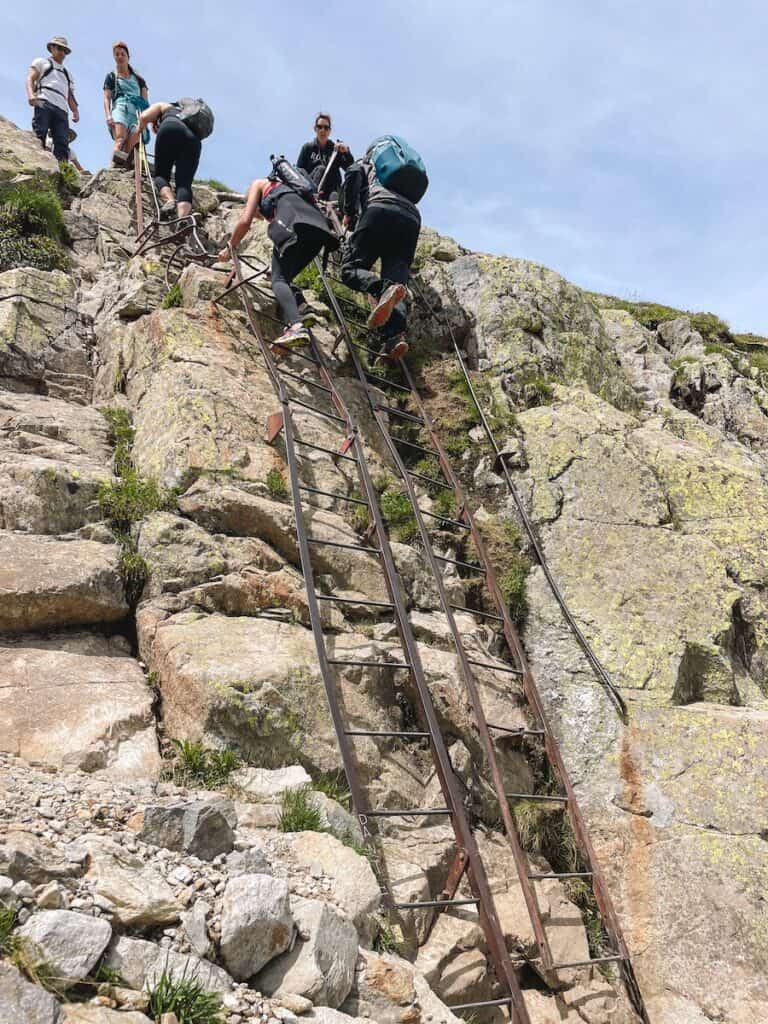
[50,90]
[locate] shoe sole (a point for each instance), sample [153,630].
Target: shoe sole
[400,350]
[291,343]
[383,310]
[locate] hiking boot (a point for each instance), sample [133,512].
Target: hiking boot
[387,301]
[292,337]
[168,210]
[120,158]
[394,349]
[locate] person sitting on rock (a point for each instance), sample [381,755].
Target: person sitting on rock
[50,90]
[299,231]
[125,96]
[386,226]
[177,150]
[315,157]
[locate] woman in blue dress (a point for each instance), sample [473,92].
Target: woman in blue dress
[125,96]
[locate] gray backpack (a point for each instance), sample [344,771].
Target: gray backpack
[196,115]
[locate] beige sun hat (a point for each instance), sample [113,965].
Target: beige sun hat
[58,41]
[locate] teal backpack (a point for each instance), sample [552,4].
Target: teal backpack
[398,166]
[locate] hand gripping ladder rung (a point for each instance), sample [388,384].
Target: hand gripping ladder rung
[449,784]
[515,647]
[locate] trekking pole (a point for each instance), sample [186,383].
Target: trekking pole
[326,172]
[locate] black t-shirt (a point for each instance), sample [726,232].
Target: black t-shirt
[313,161]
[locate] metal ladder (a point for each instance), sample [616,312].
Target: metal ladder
[482,569]
[318,378]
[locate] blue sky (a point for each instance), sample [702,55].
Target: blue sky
[621,143]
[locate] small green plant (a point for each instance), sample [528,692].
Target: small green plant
[398,514]
[7,922]
[134,572]
[120,436]
[334,786]
[107,975]
[298,812]
[277,486]
[36,251]
[309,277]
[35,209]
[130,499]
[513,585]
[186,997]
[173,297]
[387,940]
[196,764]
[68,181]
[445,504]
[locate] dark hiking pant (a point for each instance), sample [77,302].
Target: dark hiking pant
[49,118]
[389,233]
[284,268]
[176,146]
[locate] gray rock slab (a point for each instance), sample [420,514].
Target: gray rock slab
[141,963]
[45,583]
[69,942]
[199,827]
[321,965]
[24,1003]
[83,1013]
[141,897]
[256,923]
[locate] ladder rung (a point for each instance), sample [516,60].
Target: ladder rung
[317,412]
[366,732]
[338,544]
[496,668]
[443,519]
[369,664]
[474,611]
[418,447]
[517,732]
[392,411]
[454,561]
[354,600]
[417,812]
[540,877]
[328,451]
[294,351]
[305,380]
[430,480]
[332,494]
[386,380]
[436,903]
[371,351]
[485,1002]
[613,958]
[537,796]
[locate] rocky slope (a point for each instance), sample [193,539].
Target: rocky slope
[149,592]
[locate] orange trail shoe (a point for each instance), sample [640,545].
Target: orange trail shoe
[382,311]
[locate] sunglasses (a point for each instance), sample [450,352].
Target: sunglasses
[323,127]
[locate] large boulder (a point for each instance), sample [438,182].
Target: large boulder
[24,1003]
[141,964]
[21,153]
[139,895]
[67,942]
[47,583]
[321,965]
[199,827]
[85,1013]
[256,923]
[390,990]
[44,344]
[98,706]
[25,858]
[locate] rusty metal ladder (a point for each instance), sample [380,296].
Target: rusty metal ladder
[482,569]
[469,861]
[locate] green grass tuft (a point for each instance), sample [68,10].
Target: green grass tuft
[398,514]
[7,922]
[134,572]
[67,181]
[34,209]
[335,787]
[130,498]
[197,765]
[298,811]
[185,997]
[214,183]
[277,485]
[121,435]
[173,297]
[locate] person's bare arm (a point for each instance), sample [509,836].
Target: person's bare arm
[33,76]
[108,107]
[73,106]
[250,212]
[152,114]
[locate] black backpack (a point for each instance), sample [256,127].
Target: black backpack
[296,180]
[196,115]
[47,72]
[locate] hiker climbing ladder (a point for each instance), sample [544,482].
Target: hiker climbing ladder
[483,572]
[317,378]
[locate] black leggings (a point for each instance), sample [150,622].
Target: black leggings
[176,145]
[388,233]
[287,266]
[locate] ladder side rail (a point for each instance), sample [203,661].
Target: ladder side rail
[512,637]
[345,747]
[500,463]
[478,877]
